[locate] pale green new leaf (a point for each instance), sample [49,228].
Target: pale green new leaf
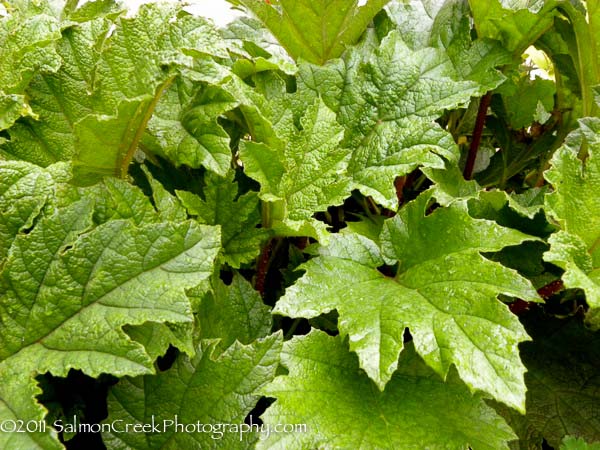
[60,99]
[414,20]
[305,174]
[237,216]
[92,9]
[575,205]
[148,44]
[315,31]
[531,5]
[13,107]
[105,144]
[136,56]
[445,292]
[342,408]
[66,296]
[207,389]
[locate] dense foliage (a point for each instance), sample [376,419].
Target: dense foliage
[378,219]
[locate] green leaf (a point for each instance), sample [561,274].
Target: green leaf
[117,135]
[342,408]
[27,47]
[306,173]
[113,199]
[60,99]
[450,184]
[584,44]
[206,390]
[511,22]
[388,106]
[521,101]
[169,207]
[251,39]
[516,156]
[184,128]
[92,9]
[446,25]
[315,31]
[163,259]
[13,107]
[63,304]
[237,216]
[234,312]
[444,292]
[563,389]
[575,205]
[514,210]
[414,20]
[528,203]
[107,88]
[24,190]
[157,337]
[474,60]
[572,443]
[117,199]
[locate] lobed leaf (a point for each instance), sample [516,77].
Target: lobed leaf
[111,77]
[315,32]
[303,174]
[63,303]
[387,103]
[342,408]
[206,390]
[575,205]
[233,312]
[24,191]
[563,386]
[445,292]
[238,217]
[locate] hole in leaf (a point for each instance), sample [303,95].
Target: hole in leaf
[253,417]
[165,362]
[76,396]
[226,276]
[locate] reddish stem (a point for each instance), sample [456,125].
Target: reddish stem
[302,242]
[520,306]
[399,183]
[550,289]
[484,104]
[263,267]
